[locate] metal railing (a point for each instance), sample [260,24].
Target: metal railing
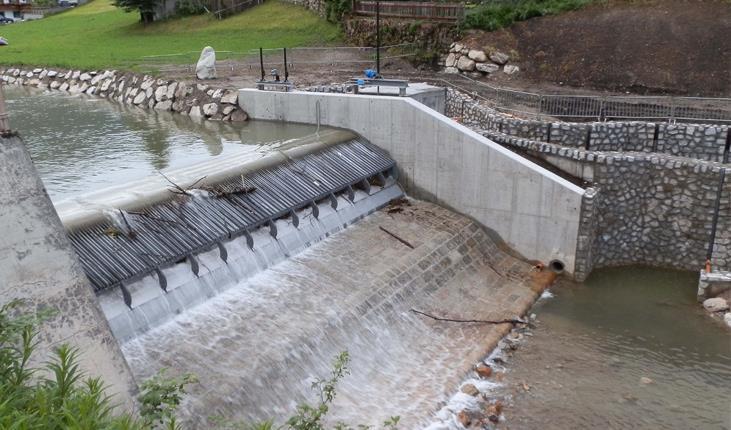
[597,108]
[428,11]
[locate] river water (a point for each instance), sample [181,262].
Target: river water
[80,143]
[595,343]
[630,348]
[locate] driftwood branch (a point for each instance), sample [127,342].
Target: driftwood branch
[396,237]
[505,321]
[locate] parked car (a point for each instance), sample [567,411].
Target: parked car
[4,20]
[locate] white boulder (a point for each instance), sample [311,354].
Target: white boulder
[465,64]
[477,55]
[231,98]
[487,67]
[210,109]
[716,304]
[161,93]
[498,57]
[206,67]
[511,70]
[451,60]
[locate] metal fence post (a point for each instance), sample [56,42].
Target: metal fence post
[4,123]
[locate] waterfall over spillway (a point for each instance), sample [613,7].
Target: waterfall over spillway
[255,276]
[257,347]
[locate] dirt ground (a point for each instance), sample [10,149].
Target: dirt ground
[658,47]
[679,47]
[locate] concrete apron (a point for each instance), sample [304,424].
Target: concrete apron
[38,266]
[257,346]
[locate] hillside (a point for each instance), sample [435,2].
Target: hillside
[98,35]
[678,47]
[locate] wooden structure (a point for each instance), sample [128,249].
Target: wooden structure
[426,11]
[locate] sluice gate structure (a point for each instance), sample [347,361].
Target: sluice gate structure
[145,250]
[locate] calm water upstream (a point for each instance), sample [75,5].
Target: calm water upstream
[80,143]
[595,342]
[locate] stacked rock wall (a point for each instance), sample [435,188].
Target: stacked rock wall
[699,141]
[197,100]
[477,62]
[645,208]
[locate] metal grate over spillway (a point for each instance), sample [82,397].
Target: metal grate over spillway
[138,243]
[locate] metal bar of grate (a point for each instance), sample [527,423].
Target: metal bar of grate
[186,225]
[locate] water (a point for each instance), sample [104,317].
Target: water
[595,342]
[81,143]
[257,346]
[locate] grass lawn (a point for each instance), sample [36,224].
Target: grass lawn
[98,35]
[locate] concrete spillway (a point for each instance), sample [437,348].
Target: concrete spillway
[254,277]
[153,252]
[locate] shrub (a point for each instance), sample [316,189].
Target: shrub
[59,395]
[493,15]
[336,9]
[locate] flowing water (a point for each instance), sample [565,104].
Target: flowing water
[81,143]
[595,344]
[630,348]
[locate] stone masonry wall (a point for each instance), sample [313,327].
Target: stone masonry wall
[699,141]
[651,209]
[198,100]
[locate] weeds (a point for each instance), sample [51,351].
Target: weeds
[492,16]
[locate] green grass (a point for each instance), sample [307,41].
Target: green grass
[98,35]
[493,16]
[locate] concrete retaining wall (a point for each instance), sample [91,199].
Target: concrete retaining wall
[536,212]
[652,209]
[39,267]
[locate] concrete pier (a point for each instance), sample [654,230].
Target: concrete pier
[39,267]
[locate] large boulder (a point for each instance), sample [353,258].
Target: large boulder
[451,60]
[498,57]
[210,109]
[716,304]
[487,67]
[511,69]
[465,64]
[206,67]
[231,97]
[477,55]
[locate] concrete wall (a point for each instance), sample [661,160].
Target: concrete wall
[536,212]
[38,265]
[651,209]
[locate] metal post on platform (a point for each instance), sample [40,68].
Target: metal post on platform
[261,63]
[286,71]
[4,123]
[378,39]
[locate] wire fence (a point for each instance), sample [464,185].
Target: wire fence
[597,108]
[567,107]
[344,56]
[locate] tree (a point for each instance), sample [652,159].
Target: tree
[146,8]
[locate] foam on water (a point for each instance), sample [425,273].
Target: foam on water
[257,346]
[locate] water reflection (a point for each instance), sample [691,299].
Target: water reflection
[597,342]
[81,143]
